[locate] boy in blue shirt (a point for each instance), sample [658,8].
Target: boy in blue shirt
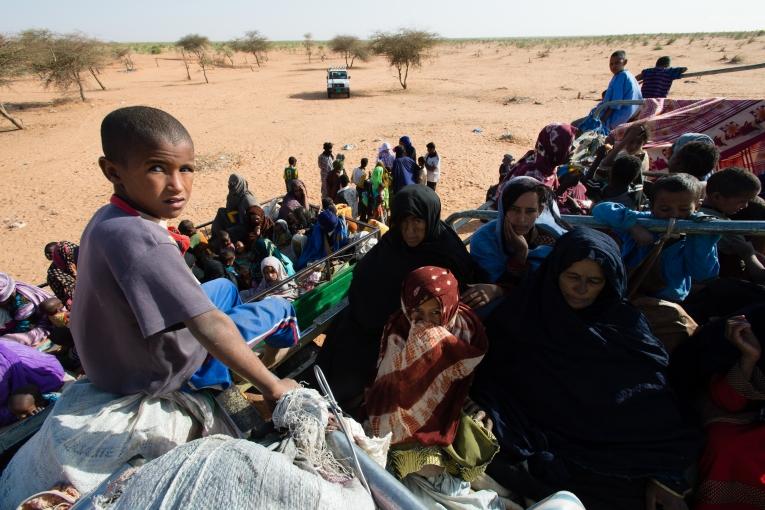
[622,86]
[683,259]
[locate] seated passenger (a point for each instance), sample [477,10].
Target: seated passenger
[273,272]
[258,225]
[575,384]
[20,319]
[621,175]
[26,401]
[296,198]
[694,154]
[722,371]
[552,149]
[143,326]
[62,273]
[429,350]
[623,86]
[728,192]
[329,234]
[187,228]
[661,274]
[516,241]
[283,239]
[417,238]
[21,366]
[233,217]
[266,248]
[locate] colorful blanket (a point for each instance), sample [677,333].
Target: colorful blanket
[736,125]
[423,379]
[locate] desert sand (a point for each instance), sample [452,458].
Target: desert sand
[251,121]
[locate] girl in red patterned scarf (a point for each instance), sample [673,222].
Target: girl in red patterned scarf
[427,356]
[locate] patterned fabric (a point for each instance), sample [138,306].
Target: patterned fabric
[735,125]
[424,371]
[552,149]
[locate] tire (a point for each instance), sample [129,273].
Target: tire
[348,94]
[329,94]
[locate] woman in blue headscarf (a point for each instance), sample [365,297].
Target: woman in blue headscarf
[329,234]
[575,383]
[523,234]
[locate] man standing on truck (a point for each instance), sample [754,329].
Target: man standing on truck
[325,166]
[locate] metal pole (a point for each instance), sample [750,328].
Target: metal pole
[705,225]
[723,70]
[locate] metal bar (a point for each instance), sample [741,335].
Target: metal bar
[309,268]
[704,226]
[388,493]
[609,104]
[722,70]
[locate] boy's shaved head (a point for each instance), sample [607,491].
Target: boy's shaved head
[619,54]
[128,129]
[663,62]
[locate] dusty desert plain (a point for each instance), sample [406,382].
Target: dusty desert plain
[250,120]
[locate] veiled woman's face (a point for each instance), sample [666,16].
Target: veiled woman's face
[581,283]
[413,231]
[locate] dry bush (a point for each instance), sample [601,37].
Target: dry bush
[196,45]
[404,49]
[255,43]
[351,48]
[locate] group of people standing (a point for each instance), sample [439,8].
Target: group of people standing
[368,192]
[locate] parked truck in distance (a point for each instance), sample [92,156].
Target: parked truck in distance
[338,82]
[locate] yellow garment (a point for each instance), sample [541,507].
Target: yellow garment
[472,450]
[377,224]
[346,212]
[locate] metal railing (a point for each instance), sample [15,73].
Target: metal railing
[345,251]
[702,225]
[622,102]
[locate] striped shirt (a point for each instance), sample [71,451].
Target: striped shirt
[658,80]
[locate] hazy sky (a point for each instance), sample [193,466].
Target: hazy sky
[168,20]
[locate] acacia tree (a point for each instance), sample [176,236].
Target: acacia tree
[308,44]
[125,55]
[404,49]
[196,45]
[351,48]
[12,63]
[253,42]
[60,61]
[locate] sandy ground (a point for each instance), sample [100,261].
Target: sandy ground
[252,121]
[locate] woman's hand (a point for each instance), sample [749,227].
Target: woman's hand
[475,412]
[480,294]
[739,332]
[656,495]
[516,243]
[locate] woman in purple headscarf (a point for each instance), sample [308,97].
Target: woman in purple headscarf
[20,320]
[22,367]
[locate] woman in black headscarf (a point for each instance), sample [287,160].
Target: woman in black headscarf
[233,218]
[417,238]
[575,383]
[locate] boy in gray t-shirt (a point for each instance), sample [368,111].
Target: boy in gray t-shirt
[140,320]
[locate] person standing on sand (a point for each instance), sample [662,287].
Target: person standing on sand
[325,166]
